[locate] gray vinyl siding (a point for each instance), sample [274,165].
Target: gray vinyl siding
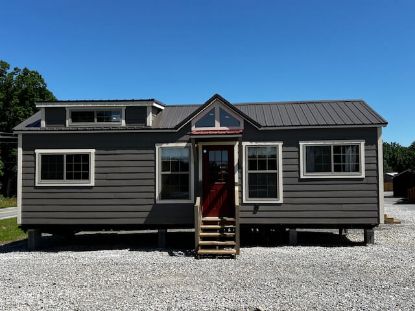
[125,177]
[55,117]
[136,115]
[124,191]
[318,201]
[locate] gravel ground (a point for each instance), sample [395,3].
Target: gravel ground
[327,276]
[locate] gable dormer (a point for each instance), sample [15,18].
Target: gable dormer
[217,116]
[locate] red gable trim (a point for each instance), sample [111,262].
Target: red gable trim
[217,132]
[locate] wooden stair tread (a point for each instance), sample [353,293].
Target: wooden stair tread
[217,243]
[216,252]
[218,219]
[216,226]
[217,234]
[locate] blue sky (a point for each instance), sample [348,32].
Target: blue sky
[185,51]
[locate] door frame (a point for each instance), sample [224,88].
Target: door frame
[235,145]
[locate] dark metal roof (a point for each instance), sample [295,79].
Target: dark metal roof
[288,114]
[328,113]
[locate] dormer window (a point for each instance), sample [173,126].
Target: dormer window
[95,116]
[208,120]
[218,117]
[227,120]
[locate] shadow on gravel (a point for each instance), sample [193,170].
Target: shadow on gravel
[178,244]
[304,238]
[404,201]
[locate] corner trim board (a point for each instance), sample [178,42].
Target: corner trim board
[19,178]
[380,178]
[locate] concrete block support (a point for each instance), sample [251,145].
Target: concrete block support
[162,234]
[33,239]
[292,237]
[369,235]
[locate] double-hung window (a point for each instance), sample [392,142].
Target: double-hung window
[174,173]
[332,159]
[57,167]
[262,182]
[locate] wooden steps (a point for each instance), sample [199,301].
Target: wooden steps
[390,220]
[218,243]
[217,252]
[217,236]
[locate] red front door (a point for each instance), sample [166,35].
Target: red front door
[218,181]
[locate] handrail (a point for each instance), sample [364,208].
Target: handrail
[237,231]
[198,221]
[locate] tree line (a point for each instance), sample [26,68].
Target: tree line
[397,158]
[19,90]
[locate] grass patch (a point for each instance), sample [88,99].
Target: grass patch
[7,202]
[9,230]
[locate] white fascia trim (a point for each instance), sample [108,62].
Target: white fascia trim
[304,175]
[149,116]
[100,104]
[19,178]
[90,183]
[158,106]
[245,199]
[158,173]
[42,117]
[380,176]
[123,116]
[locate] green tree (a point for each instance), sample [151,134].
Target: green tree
[398,158]
[19,90]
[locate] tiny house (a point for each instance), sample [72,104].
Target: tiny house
[215,167]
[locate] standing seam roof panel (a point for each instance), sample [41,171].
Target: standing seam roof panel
[293,115]
[333,114]
[300,115]
[340,112]
[363,119]
[284,115]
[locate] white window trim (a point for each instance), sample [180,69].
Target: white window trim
[95,109]
[360,174]
[245,173]
[216,105]
[158,172]
[88,183]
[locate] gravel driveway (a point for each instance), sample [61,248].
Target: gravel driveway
[95,276]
